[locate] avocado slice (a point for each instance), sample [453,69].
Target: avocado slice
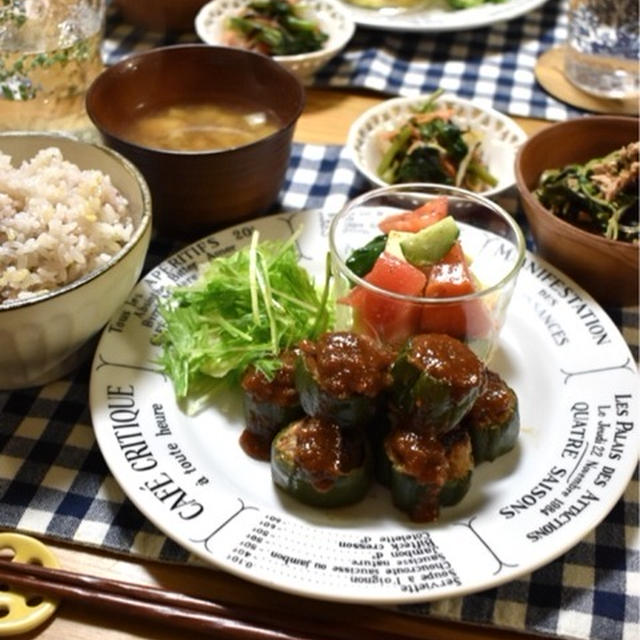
[431,244]
[394,239]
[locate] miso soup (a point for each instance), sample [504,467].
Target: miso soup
[202,126]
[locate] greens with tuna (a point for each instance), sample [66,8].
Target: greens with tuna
[600,196]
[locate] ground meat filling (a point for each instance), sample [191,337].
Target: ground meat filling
[420,455]
[345,363]
[495,405]
[459,453]
[325,451]
[448,360]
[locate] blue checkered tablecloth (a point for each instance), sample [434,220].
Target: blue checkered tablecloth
[493,66]
[54,482]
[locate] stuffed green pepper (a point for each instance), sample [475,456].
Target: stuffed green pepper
[436,380]
[342,377]
[269,405]
[321,464]
[494,420]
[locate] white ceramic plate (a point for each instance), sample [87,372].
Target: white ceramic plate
[501,136]
[332,16]
[578,447]
[435,15]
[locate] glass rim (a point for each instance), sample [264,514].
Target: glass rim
[421,188]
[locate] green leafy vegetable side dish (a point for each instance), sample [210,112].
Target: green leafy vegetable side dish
[600,195]
[244,309]
[431,147]
[277,28]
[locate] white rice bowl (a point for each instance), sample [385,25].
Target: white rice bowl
[57,223]
[75,226]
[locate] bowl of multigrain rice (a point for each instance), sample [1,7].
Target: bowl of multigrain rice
[75,225]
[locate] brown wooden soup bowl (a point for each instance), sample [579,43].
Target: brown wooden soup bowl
[607,269]
[196,192]
[160,15]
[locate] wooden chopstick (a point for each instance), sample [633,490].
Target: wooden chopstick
[229,621]
[92,591]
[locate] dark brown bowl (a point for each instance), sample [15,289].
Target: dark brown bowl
[160,15]
[607,269]
[193,192]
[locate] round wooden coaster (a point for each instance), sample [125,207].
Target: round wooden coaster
[549,72]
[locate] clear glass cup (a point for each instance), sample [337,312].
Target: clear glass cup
[49,54]
[491,240]
[602,52]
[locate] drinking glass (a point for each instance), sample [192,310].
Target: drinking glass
[601,55]
[49,54]
[493,245]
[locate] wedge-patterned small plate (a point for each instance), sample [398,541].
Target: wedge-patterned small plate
[333,18]
[501,136]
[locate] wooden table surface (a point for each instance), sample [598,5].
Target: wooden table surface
[326,120]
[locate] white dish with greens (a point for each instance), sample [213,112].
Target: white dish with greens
[301,36]
[188,475]
[449,140]
[437,15]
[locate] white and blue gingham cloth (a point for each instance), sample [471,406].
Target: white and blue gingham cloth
[54,482]
[493,66]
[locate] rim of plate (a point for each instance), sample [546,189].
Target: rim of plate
[425,20]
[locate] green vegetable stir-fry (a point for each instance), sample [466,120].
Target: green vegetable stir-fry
[244,309]
[431,147]
[276,28]
[600,196]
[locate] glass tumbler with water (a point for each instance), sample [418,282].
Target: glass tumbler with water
[49,54]
[602,49]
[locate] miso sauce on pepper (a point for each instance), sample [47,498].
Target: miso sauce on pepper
[341,375]
[419,470]
[436,381]
[321,464]
[269,405]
